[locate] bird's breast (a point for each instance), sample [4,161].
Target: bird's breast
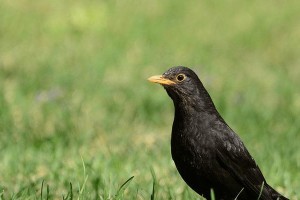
[190,149]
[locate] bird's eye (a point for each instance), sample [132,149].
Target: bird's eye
[180,77]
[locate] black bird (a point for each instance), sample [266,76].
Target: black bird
[208,154]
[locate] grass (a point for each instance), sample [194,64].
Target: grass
[78,119]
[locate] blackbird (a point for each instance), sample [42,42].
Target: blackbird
[208,154]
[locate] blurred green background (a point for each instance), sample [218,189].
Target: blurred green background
[76,108]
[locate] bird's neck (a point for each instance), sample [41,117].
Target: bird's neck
[199,110]
[193,112]
[198,104]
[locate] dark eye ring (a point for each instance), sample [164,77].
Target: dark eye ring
[180,77]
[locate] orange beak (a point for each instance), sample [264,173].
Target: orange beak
[161,80]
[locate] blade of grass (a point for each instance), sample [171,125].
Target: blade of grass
[123,187]
[236,198]
[261,189]
[153,184]
[212,194]
[42,187]
[81,188]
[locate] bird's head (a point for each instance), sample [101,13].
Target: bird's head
[181,83]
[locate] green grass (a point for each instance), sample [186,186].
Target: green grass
[78,118]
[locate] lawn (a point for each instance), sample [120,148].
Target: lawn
[78,118]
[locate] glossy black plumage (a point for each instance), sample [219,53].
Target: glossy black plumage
[207,152]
